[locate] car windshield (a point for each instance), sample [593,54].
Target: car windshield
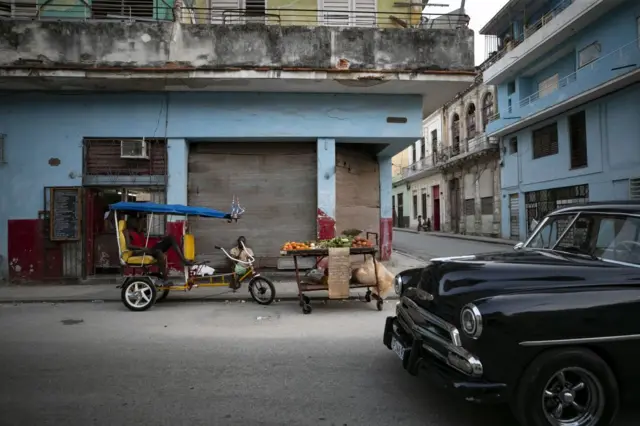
[614,238]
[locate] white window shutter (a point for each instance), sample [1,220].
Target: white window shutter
[335,13]
[365,13]
[226,12]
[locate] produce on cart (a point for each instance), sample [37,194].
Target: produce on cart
[334,272]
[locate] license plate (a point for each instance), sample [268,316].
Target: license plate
[397,348]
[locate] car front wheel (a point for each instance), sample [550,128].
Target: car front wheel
[572,386]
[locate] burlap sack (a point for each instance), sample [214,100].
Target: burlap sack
[365,274]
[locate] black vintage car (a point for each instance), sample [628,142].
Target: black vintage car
[551,327]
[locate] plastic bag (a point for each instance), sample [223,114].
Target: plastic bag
[239,269]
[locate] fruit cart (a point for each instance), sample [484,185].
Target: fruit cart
[337,279]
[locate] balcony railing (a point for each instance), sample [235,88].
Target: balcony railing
[146,11]
[623,52]
[528,32]
[449,154]
[494,117]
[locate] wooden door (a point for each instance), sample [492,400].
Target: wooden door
[435,195]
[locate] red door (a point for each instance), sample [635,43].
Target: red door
[435,195]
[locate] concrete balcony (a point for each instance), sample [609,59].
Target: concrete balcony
[135,55]
[447,157]
[607,74]
[478,146]
[534,48]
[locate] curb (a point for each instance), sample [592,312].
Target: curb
[407,230]
[190,300]
[488,240]
[465,238]
[411,256]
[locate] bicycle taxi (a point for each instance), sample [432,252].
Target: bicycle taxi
[142,288]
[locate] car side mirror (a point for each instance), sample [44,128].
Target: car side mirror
[518,246]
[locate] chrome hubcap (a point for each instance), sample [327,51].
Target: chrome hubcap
[573,397]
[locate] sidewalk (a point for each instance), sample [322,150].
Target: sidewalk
[490,240]
[286,289]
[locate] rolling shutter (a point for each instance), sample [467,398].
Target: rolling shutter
[275,183]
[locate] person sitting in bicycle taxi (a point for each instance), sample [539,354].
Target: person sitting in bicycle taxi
[136,242]
[242,253]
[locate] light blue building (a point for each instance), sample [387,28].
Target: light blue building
[567,75]
[299,122]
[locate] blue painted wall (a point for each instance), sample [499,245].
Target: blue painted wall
[327,176]
[41,126]
[617,33]
[613,126]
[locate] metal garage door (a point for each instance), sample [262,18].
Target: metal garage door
[514,216]
[275,183]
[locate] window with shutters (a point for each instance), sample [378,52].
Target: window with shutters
[578,140]
[545,141]
[513,145]
[486,205]
[487,109]
[455,135]
[634,189]
[471,121]
[548,86]
[422,143]
[359,13]
[589,54]
[469,207]
[101,9]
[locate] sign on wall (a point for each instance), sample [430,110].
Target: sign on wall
[65,213]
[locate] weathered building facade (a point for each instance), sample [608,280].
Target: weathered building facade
[453,176]
[300,121]
[568,79]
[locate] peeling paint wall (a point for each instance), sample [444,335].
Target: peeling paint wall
[90,45]
[57,124]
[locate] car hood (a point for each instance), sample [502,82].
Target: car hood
[455,281]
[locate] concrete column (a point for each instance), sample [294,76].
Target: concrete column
[326,181]
[497,199]
[462,218]
[178,166]
[477,201]
[177,188]
[386,215]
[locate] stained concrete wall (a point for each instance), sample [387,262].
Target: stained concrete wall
[160,45]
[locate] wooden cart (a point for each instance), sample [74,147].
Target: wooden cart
[339,281]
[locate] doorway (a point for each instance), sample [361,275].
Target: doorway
[424,204]
[454,195]
[102,256]
[435,195]
[400,211]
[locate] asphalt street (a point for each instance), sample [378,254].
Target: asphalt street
[426,246]
[214,364]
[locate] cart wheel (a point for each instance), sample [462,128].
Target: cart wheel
[306,300]
[306,309]
[138,294]
[379,304]
[367,296]
[162,295]
[262,290]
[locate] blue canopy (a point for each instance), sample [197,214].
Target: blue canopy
[172,209]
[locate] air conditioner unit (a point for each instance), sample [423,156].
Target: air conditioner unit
[134,148]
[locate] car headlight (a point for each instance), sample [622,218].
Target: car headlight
[471,321]
[397,284]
